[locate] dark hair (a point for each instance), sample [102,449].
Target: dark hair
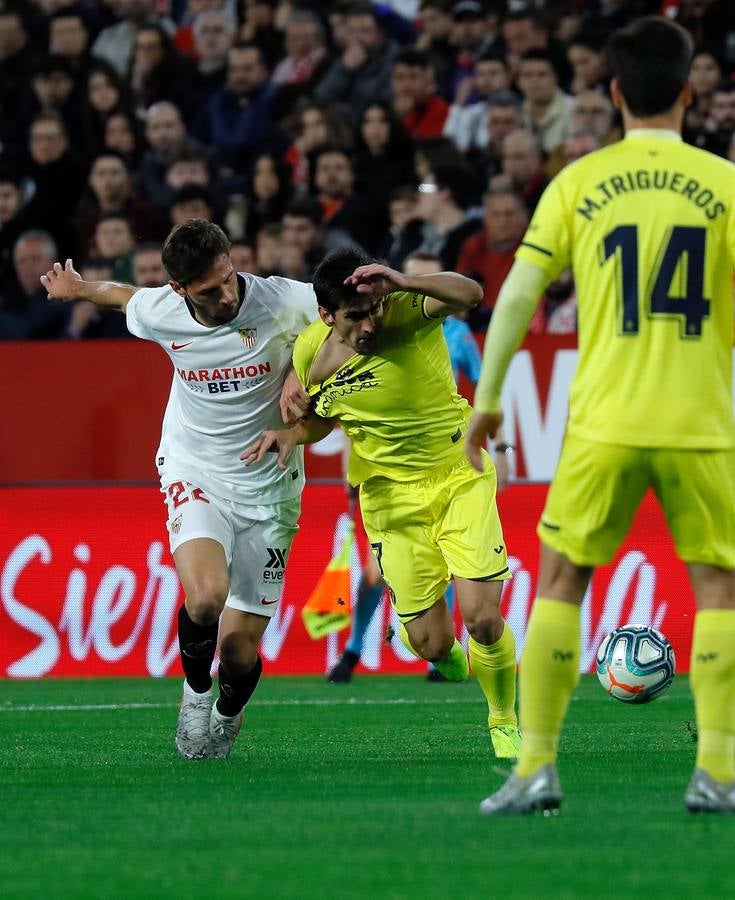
[188,192]
[593,39]
[115,217]
[650,59]
[536,54]
[460,181]
[413,57]
[724,87]
[329,287]
[305,208]
[191,249]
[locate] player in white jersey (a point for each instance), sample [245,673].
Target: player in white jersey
[229,336]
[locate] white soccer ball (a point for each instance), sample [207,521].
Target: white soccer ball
[635,663]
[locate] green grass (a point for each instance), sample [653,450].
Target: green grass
[339,792]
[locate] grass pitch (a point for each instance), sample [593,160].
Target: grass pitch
[368,790]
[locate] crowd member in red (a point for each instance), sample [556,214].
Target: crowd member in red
[489,254]
[415,101]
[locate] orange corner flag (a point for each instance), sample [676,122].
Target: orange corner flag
[328,607]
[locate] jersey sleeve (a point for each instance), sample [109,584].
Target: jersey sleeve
[304,351]
[546,243]
[407,310]
[137,311]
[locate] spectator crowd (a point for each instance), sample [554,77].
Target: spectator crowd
[417,126]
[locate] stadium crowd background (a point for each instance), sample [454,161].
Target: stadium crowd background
[416,125]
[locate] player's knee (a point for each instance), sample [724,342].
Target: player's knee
[205,600]
[485,625]
[434,647]
[238,653]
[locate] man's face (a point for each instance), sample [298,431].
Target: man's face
[164,127]
[300,232]
[722,110]
[593,111]
[363,30]
[519,36]
[468,31]
[102,94]
[109,179]
[12,34]
[357,325]
[579,145]
[520,159]
[429,204]
[185,172]
[503,120]
[196,208]
[411,82]
[333,176]
[32,259]
[213,37]
[9,200]
[437,24]
[52,88]
[47,142]
[301,38]
[243,257]
[588,66]
[113,238]
[505,220]
[491,75]
[215,296]
[67,36]
[148,269]
[402,211]
[537,81]
[245,71]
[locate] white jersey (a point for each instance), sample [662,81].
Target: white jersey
[226,385]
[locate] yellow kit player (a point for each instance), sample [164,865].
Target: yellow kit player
[648,226]
[376,361]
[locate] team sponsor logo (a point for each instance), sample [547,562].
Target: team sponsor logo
[249,336]
[225,380]
[276,564]
[345,382]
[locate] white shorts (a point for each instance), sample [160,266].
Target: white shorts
[256,540]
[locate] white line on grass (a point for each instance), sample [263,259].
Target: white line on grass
[351,701]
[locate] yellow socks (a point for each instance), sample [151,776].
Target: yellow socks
[454,668]
[712,677]
[494,666]
[549,673]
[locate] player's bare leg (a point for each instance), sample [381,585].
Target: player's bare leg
[549,673]
[239,672]
[492,651]
[202,568]
[431,637]
[712,678]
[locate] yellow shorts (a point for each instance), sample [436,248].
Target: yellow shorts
[598,487]
[427,531]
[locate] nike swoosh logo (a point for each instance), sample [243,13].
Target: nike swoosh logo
[267,602]
[175,346]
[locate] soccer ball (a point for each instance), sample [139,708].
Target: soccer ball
[635,663]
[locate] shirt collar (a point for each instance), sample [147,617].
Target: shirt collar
[661,134]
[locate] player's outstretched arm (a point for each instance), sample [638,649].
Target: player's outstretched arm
[283,440]
[517,301]
[65,283]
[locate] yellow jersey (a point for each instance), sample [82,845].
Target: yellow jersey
[399,404]
[648,226]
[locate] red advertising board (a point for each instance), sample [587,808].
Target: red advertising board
[87,585]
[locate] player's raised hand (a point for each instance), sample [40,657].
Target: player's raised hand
[482,426]
[61,282]
[376,279]
[294,401]
[281,442]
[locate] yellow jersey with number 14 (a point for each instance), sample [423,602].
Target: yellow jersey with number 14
[399,404]
[648,226]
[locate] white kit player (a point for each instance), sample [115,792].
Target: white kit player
[229,337]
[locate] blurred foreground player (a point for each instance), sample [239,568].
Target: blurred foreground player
[229,336]
[648,226]
[376,362]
